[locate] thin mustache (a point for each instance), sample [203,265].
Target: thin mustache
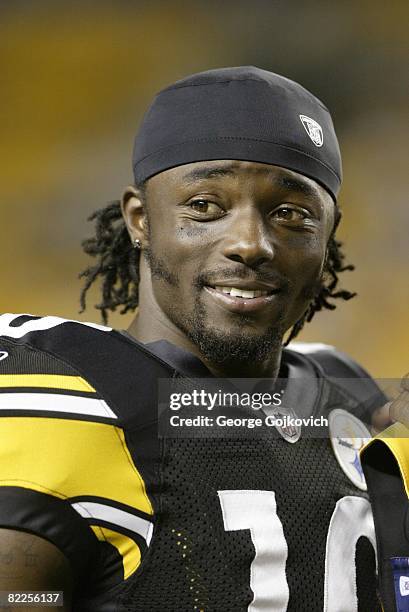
[207,278]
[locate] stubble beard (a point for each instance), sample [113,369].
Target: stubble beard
[235,348]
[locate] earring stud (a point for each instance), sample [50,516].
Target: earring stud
[136,244]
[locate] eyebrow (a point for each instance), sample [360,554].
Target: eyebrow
[293,184]
[288,183]
[206,172]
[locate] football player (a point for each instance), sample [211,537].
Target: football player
[224,246]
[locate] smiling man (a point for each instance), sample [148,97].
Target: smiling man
[225,245]
[234,256]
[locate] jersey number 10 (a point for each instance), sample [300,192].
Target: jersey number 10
[257,511]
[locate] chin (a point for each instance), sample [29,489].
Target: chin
[220,345]
[240,339]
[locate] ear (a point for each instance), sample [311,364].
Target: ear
[134,214]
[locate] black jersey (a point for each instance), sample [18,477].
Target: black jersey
[152,524]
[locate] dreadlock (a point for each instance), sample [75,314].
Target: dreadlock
[117,262]
[333,265]
[117,265]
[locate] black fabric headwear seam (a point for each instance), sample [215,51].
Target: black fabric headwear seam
[177,144]
[184,86]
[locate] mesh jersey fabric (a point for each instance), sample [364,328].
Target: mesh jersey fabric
[79,382]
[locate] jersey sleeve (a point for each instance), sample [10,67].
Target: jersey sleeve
[385,461]
[65,471]
[31,498]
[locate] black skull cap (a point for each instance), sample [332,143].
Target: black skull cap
[242,113]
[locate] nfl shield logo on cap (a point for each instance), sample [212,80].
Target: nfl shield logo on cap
[313,130]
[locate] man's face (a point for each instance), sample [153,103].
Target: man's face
[236,251]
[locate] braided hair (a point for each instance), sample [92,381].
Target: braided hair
[117,267]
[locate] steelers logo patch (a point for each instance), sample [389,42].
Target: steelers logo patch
[348,435]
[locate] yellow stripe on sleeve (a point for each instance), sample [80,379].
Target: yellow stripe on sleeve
[127,548]
[46,381]
[396,438]
[69,458]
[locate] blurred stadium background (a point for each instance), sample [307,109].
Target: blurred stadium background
[77,76]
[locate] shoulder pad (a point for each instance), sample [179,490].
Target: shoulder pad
[19,325]
[118,370]
[333,362]
[349,375]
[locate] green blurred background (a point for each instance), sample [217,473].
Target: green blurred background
[77,76]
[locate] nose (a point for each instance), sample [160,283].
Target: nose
[248,241]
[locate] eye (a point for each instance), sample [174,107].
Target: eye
[205,207]
[290,215]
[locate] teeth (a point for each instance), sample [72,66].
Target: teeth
[243,293]
[248,294]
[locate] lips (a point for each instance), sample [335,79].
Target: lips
[242,293]
[242,299]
